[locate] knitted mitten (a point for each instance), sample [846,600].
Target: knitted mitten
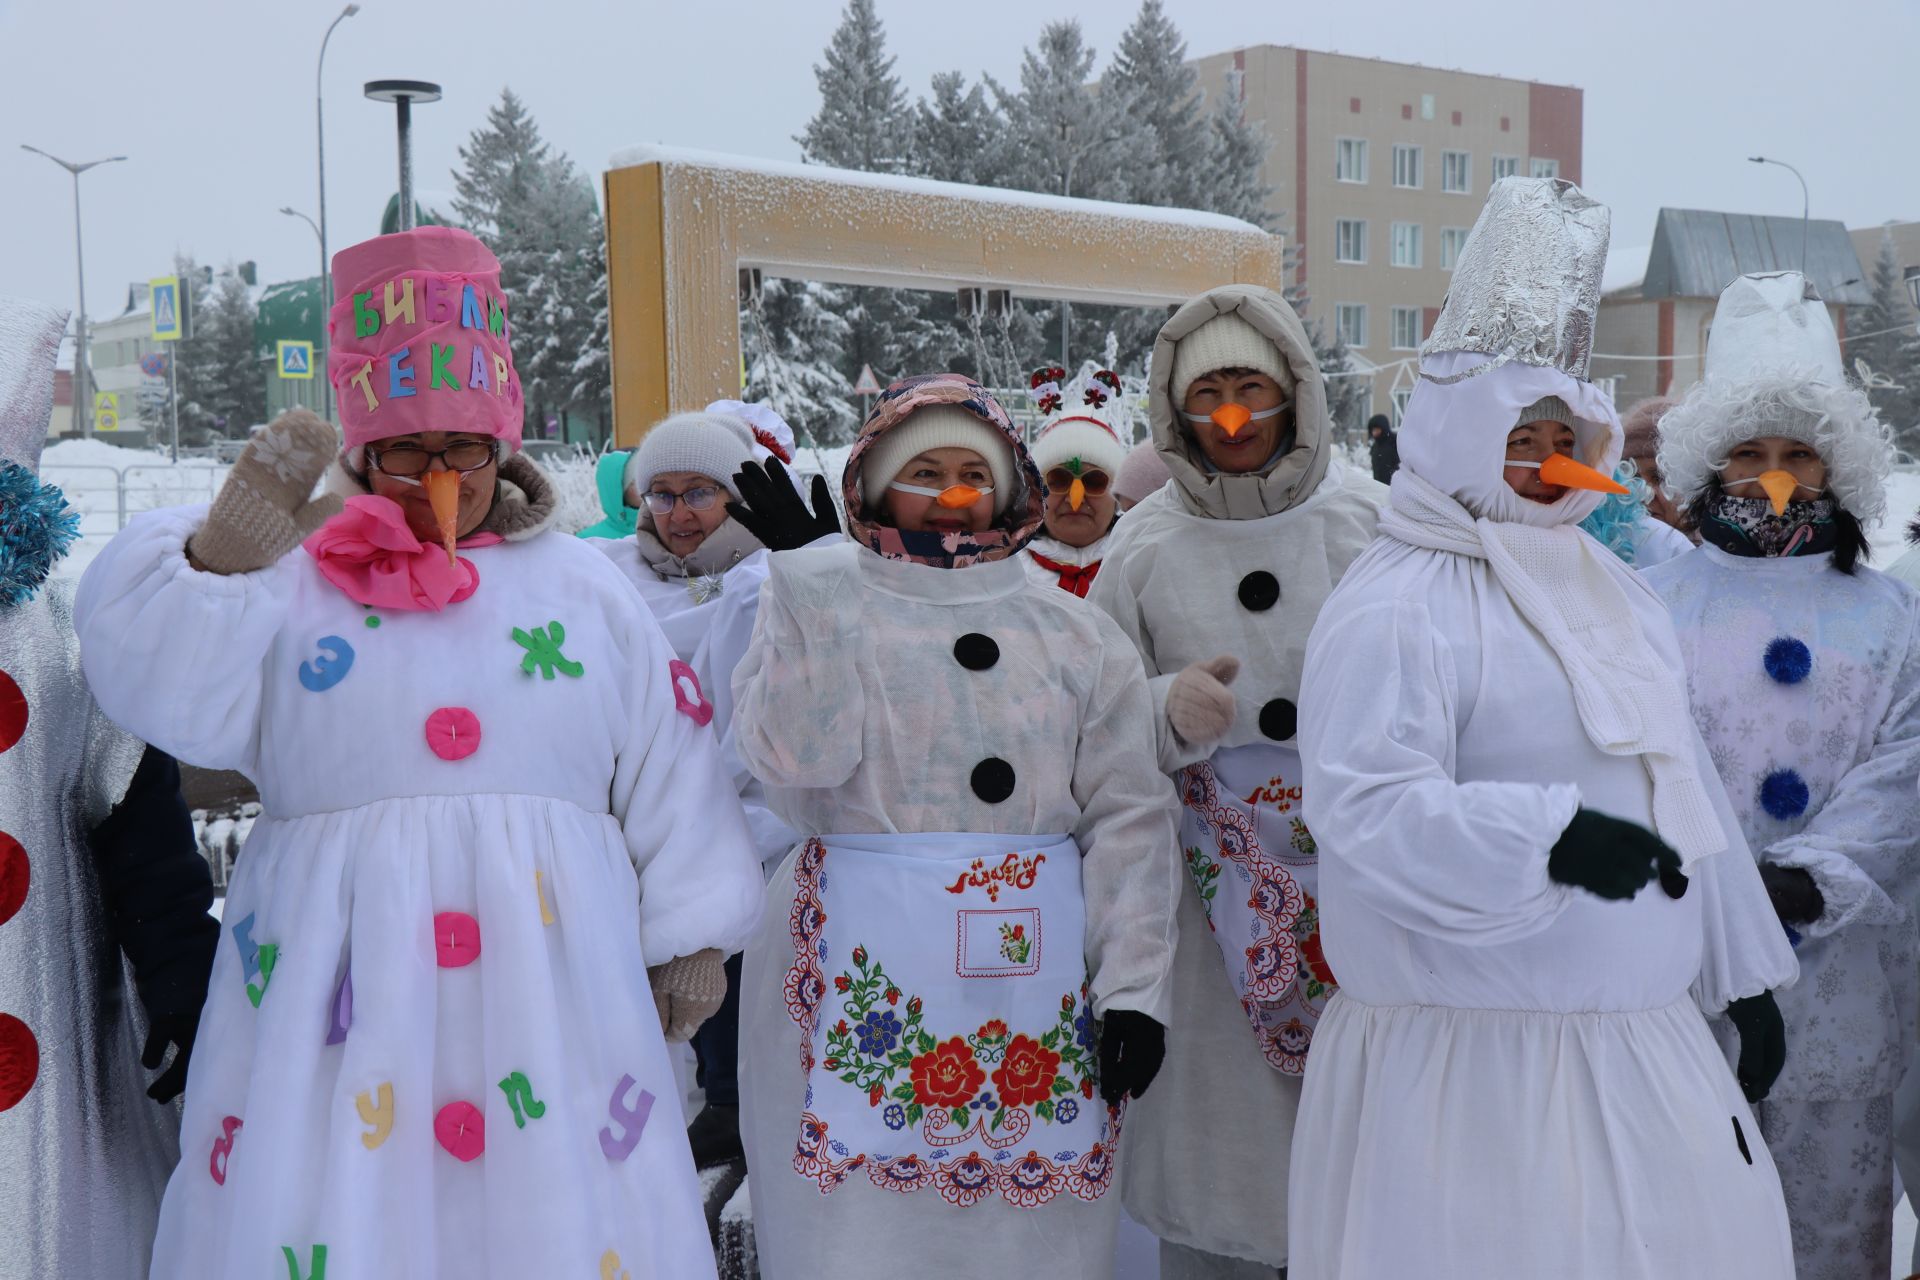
[263,510]
[687,990]
[1199,706]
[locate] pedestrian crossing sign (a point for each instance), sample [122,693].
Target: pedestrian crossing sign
[165,293]
[106,411]
[295,358]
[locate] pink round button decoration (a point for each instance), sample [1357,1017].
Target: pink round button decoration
[456,939]
[453,733]
[462,1130]
[688,699]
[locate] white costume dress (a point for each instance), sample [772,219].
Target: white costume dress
[1515,1078]
[1214,564]
[430,1050]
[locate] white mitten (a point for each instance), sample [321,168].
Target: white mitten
[1199,704]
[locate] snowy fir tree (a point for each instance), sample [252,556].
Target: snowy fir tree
[222,384]
[957,133]
[593,367]
[863,122]
[793,343]
[1162,93]
[1887,345]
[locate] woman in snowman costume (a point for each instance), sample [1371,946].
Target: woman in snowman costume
[493,811]
[1216,578]
[1079,456]
[1532,884]
[1804,670]
[965,971]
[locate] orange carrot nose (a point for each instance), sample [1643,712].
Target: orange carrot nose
[1231,417]
[1779,486]
[1076,494]
[1561,470]
[958,496]
[443,494]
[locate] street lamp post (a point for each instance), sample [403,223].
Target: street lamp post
[1805,204]
[326,284]
[82,384]
[403,94]
[325,381]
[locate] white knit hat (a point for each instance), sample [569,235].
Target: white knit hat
[1225,342]
[938,426]
[1545,409]
[708,444]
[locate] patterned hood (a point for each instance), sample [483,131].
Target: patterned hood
[1016,525]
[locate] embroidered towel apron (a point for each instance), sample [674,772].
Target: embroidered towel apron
[940,985]
[1256,868]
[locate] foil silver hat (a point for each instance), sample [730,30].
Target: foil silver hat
[1526,286]
[29,340]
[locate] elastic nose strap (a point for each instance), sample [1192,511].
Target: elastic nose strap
[1261,416]
[925,492]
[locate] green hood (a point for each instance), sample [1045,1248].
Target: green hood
[610,479]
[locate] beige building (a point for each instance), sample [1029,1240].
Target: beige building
[1378,170]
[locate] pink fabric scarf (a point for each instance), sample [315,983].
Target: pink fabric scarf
[369,553]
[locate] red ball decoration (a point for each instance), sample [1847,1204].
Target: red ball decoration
[14,876]
[19,1061]
[13,712]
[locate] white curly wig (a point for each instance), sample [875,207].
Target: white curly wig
[1698,434]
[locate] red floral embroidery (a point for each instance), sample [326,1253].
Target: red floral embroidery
[1032,1180]
[1027,1073]
[948,1076]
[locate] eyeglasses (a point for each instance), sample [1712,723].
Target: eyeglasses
[1059,480]
[409,460]
[699,499]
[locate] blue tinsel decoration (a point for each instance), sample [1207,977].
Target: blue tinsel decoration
[1787,660]
[1614,522]
[1784,795]
[36,528]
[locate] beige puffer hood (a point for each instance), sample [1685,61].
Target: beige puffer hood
[1298,472]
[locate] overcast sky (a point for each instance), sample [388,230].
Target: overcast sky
[212,100]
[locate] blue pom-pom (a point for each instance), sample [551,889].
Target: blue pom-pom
[1787,660]
[1783,794]
[36,528]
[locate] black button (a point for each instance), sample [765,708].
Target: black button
[993,780]
[1259,591]
[975,652]
[1279,719]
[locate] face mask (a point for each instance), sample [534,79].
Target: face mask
[953,497]
[1233,418]
[1749,527]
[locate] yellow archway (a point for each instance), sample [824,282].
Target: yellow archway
[681,225]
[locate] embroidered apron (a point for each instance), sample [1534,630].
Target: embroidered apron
[1255,866]
[940,985]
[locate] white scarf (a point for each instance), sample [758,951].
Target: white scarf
[1570,589]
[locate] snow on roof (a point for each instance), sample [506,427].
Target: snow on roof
[1626,268]
[650,153]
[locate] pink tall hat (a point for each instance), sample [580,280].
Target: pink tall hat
[418,339]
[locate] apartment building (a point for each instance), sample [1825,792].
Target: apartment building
[1378,170]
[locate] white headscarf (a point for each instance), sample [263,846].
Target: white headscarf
[1449,495]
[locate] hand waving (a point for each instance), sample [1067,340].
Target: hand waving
[771,509]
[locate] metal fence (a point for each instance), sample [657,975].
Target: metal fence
[107,497]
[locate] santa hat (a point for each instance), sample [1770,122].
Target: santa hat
[1081,437]
[775,437]
[418,339]
[1773,368]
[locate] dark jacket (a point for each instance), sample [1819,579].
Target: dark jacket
[1385,449]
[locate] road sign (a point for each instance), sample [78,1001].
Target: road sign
[867,385]
[154,364]
[106,411]
[168,315]
[295,358]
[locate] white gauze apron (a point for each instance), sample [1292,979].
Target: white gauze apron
[1254,863]
[940,984]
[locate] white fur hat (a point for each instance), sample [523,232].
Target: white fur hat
[1773,368]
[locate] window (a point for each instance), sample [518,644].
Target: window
[1350,159]
[1452,241]
[1540,167]
[1456,172]
[1406,244]
[1406,167]
[1406,328]
[1350,240]
[1400,399]
[1505,167]
[1350,322]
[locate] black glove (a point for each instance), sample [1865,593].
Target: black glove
[1132,1047]
[1763,1043]
[1612,858]
[770,508]
[177,1031]
[1796,898]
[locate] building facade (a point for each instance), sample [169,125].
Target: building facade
[1377,171]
